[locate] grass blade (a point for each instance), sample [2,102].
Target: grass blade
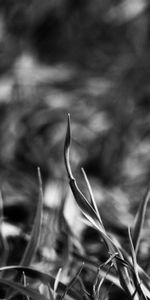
[92,196]
[139,221]
[67,149]
[23,290]
[70,285]
[133,256]
[81,200]
[56,283]
[90,212]
[99,282]
[3,240]
[35,235]
[25,283]
[86,208]
[44,278]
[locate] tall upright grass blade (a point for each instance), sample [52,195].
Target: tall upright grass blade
[82,202]
[67,149]
[86,208]
[139,221]
[35,235]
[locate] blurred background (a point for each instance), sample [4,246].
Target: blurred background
[91,59]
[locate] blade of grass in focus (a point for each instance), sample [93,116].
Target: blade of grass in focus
[91,214]
[81,200]
[91,195]
[86,208]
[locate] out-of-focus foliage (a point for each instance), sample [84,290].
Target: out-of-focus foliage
[90,59]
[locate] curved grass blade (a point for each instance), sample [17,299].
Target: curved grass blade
[139,221]
[44,278]
[23,290]
[91,214]
[35,235]
[67,149]
[86,208]
[92,196]
[81,200]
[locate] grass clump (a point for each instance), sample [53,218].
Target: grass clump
[131,278]
[120,269]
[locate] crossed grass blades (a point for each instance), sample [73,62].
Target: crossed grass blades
[121,267]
